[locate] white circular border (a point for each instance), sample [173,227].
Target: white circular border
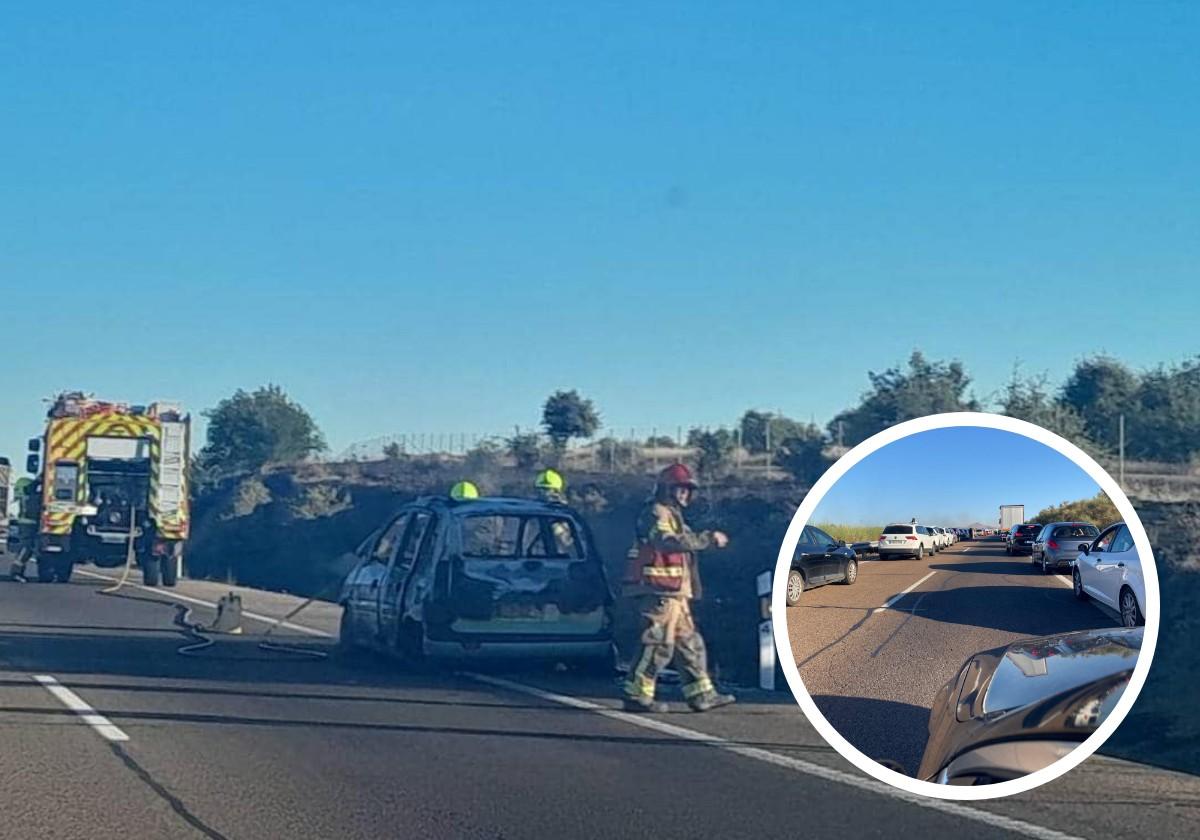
[945,421]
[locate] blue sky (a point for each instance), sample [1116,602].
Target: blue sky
[953,477]
[424,218]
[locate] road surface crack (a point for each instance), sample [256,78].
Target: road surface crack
[165,795]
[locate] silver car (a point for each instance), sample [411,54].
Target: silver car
[1057,544]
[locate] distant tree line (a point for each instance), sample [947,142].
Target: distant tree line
[1161,407]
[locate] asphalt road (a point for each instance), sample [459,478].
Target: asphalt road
[107,731]
[874,671]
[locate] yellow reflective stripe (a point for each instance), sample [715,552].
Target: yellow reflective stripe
[662,571]
[700,686]
[640,687]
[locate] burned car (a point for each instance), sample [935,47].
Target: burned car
[1013,710]
[493,576]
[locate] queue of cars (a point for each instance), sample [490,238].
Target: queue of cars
[908,539]
[1104,565]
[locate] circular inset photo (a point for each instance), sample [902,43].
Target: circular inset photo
[970,606]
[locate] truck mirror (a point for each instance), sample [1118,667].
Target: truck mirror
[35,444]
[32,463]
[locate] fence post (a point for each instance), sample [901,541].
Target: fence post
[1121,449]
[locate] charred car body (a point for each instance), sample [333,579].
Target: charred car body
[492,576]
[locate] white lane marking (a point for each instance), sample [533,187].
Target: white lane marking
[900,595]
[820,771]
[172,595]
[80,707]
[1064,581]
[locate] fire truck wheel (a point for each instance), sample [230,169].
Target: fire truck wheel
[150,571]
[45,570]
[168,569]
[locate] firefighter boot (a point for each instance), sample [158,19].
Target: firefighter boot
[644,705]
[711,700]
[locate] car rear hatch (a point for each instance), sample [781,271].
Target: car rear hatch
[899,536]
[1066,541]
[528,575]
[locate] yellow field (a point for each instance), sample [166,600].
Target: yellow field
[850,533]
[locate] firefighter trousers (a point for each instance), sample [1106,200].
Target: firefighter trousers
[668,633]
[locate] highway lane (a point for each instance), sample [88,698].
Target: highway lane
[873,658]
[239,742]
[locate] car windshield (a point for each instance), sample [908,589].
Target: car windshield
[898,529]
[1083,532]
[513,536]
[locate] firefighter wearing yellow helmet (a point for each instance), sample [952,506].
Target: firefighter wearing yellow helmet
[463,491]
[551,487]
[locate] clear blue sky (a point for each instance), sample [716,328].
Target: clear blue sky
[953,477]
[426,217]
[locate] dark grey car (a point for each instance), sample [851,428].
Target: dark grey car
[1013,710]
[1058,543]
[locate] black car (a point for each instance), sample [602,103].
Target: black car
[1013,710]
[1020,539]
[819,559]
[493,576]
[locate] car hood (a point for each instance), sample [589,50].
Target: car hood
[1062,686]
[1035,669]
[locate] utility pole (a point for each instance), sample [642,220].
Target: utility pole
[1121,449]
[769,449]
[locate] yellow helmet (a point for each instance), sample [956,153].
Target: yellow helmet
[464,490]
[550,480]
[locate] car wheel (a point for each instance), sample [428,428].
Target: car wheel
[795,587]
[1077,586]
[1131,614]
[920,552]
[1045,566]
[851,573]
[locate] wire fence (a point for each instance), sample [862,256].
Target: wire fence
[613,449]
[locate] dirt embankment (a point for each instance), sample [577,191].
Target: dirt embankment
[293,530]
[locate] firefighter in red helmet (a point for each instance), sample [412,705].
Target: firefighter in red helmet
[663,578]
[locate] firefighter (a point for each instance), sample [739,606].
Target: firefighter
[29,506]
[552,488]
[663,578]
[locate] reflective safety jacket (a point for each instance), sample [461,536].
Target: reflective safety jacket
[662,560]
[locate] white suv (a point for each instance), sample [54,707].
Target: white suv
[906,540]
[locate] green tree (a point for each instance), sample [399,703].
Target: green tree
[525,449]
[250,429]
[1029,399]
[924,387]
[755,425]
[1099,390]
[393,451]
[1165,421]
[567,415]
[716,449]
[803,454]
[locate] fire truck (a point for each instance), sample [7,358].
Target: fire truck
[113,482]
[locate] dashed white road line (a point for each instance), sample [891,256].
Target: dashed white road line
[829,774]
[1064,581]
[172,595]
[900,595]
[79,706]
